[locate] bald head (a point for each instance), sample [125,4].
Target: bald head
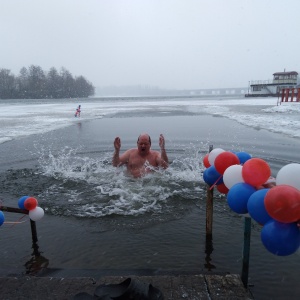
[143,137]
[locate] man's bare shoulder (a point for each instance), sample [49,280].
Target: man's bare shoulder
[127,154]
[155,152]
[131,152]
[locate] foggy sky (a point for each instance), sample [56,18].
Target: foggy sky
[178,44]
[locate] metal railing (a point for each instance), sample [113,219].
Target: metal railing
[274,81]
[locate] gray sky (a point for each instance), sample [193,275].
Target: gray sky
[166,43]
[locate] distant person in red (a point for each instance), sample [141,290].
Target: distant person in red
[78,110]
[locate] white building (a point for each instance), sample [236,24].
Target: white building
[281,80]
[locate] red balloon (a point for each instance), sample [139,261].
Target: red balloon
[222,188]
[30,203]
[225,160]
[282,203]
[205,161]
[256,171]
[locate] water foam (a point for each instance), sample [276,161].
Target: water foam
[93,188]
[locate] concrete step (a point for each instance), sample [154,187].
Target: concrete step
[188,287]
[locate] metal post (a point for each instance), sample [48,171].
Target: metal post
[35,246]
[298,95]
[282,95]
[208,251]
[33,232]
[287,93]
[246,251]
[293,93]
[209,205]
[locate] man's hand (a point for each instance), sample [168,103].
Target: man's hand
[117,143]
[162,142]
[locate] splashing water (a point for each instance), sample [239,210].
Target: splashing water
[85,187]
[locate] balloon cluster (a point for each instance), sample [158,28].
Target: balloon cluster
[29,203]
[245,181]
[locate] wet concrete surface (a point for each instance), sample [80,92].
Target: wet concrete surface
[188,287]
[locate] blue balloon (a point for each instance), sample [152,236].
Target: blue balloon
[243,156]
[21,202]
[281,238]
[256,207]
[238,196]
[211,175]
[1,218]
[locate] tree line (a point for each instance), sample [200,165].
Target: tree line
[35,83]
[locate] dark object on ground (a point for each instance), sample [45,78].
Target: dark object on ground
[129,289]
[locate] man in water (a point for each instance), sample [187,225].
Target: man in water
[141,160]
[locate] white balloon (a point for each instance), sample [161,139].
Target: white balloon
[36,214]
[233,175]
[290,175]
[213,154]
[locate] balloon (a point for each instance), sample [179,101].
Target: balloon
[205,161]
[238,196]
[222,188]
[211,176]
[213,154]
[256,207]
[282,203]
[289,175]
[36,213]
[281,238]
[1,218]
[233,175]
[225,160]
[256,171]
[243,156]
[21,202]
[30,203]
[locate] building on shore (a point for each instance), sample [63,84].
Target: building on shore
[273,88]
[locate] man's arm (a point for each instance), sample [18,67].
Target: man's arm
[164,160]
[117,159]
[116,156]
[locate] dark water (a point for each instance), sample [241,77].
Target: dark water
[98,220]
